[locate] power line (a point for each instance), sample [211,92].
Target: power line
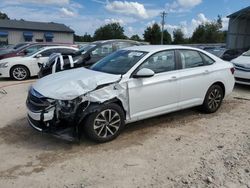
[163,15]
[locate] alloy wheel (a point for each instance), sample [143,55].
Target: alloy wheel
[107,123]
[19,73]
[214,99]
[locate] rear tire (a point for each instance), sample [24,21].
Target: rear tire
[105,124]
[19,72]
[213,99]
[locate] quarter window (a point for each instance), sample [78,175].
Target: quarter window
[207,60]
[160,62]
[190,59]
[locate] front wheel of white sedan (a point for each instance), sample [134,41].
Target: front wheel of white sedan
[19,73]
[105,124]
[213,99]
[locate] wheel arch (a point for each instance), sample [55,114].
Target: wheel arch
[222,85]
[93,107]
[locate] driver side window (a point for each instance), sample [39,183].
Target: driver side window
[160,62]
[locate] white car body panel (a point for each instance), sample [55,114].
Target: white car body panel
[161,90]
[31,62]
[141,97]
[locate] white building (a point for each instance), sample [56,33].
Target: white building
[16,31]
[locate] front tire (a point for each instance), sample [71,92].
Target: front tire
[105,124]
[213,99]
[19,73]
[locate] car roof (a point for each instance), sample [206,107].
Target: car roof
[156,48]
[114,40]
[52,47]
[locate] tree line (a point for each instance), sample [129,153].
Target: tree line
[208,32]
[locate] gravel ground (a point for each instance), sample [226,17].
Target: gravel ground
[182,149]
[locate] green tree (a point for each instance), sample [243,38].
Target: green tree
[209,32]
[4,16]
[109,31]
[178,37]
[135,37]
[85,38]
[152,34]
[167,39]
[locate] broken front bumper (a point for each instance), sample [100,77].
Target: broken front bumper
[49,126]
[41,121]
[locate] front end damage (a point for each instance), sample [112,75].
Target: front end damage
[65,118]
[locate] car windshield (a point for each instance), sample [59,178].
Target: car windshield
[118,62]
[247,53]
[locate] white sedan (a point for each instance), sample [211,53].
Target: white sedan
[242,68]
[21,68]
[129,85]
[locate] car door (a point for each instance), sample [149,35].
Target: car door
[157,94]
[41,58]
[195,77]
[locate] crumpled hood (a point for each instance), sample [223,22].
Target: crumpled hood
[68,85]
[242,60]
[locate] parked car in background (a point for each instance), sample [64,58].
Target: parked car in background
[11,48]
[216,51]
[21,68]
[242,68]
[131,84]
[228,55]
[86,56]
[28,49]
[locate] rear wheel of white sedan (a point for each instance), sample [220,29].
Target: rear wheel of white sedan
[106,124]
[213,99]
[19,72]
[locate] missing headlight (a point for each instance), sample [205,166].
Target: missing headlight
[68,106]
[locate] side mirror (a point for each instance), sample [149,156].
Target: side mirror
[144,73]
[38,55]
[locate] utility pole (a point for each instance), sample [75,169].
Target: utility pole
[163,15]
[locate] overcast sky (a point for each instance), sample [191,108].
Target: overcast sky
[87,15]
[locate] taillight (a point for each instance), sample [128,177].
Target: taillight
[232,70]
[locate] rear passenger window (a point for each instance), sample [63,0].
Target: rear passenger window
[47,53]
[66,51]
[207,60]
[190,59]
[160,62]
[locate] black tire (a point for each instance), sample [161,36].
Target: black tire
[213,99]
[105,124]
[19,72]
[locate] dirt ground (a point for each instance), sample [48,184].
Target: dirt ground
[182,149]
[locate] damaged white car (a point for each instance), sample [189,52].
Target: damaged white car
[129,85]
